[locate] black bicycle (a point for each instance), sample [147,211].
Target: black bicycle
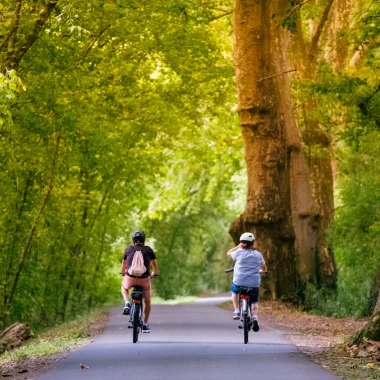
[136,314]
[137,311]
[245,306]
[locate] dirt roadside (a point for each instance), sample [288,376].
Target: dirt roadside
[323,339]
[31,367]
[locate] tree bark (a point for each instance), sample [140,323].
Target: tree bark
[16,53]
[372,329]
[374,295]
[11,39]
[339,24]
[318,146]
[289,204]
[268,209]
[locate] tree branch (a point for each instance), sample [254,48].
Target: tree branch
[291,10]
[321,25]
[11,39]
[276,75]
[220,16]
[7,38]
[32,37]
[95,39]
[33,230]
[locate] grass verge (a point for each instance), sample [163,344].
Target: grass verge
[40,352]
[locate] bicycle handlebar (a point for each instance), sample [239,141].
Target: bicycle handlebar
[156,275]
[228,270]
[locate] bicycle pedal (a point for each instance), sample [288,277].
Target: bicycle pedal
[130,327]
[240,327]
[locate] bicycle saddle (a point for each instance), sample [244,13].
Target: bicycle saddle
[244,290]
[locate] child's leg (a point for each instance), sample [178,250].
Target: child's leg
[255,303]
[235,300]
[255,310]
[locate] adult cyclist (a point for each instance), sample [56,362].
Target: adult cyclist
[249,264]
[138,239]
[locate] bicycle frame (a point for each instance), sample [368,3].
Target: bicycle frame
[245,313]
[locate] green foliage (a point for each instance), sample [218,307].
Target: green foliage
[125,122]
[10,87]
[356,233]
[348,113]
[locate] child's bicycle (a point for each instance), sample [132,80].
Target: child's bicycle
[245,306]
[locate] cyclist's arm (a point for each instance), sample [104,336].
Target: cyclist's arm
[123,267]
[264,268]
[231,251]
[154,266]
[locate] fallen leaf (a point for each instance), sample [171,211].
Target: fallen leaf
[82,366]
[374,342]
[371,349]
[370,365]
[362,354]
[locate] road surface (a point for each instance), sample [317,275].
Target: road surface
[196,341]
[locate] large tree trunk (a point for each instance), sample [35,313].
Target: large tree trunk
[372,329]
[319,152]
[304,208]
[340,22]
[288,194]
[373,302]
[268,210]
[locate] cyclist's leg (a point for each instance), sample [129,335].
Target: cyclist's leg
[147,298]
[125,294]
[124,291]
[255,302]
[147,309]
[235,301]
[235,296]
[255,308]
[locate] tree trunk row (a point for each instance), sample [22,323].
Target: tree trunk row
[290,197]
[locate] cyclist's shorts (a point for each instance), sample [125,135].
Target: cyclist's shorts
[254,293]
[130,282]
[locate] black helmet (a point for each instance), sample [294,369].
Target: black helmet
[138,236]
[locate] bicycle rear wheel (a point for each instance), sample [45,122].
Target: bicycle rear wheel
[246,327]
[136,323]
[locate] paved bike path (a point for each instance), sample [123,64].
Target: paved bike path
[188,342]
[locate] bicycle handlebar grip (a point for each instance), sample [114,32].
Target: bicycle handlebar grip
[229,270]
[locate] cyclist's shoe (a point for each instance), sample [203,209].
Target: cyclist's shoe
[236,315]
[127,308]
[146,328]
[255,325]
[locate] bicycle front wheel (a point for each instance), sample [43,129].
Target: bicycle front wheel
[136,323]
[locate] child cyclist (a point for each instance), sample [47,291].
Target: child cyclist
[249,264]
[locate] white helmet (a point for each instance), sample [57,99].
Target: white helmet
[247,236]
